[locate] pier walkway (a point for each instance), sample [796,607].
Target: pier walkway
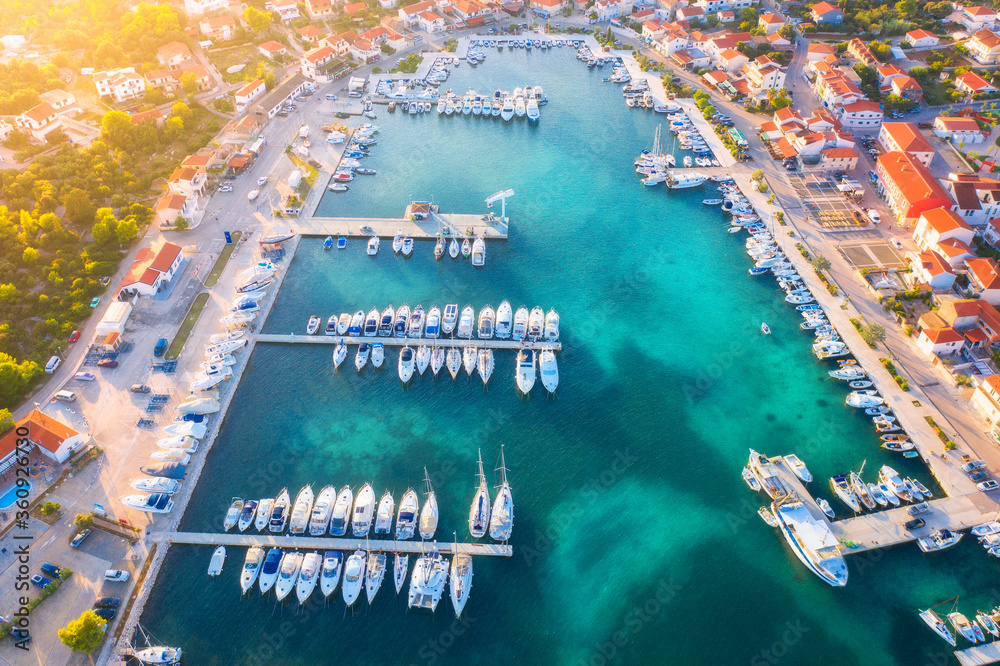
[988,653]
[457,225]
[413,342]
[334,543]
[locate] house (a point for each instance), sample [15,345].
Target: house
[218,28]
[958,130]
[319,8]
[690,13]
[653,31]
[48,434]
[315,59]
[905,138]
[863,114]
[430,22]
[819,51]
[838,159]
[932,269]
[172,206]
[287,10]
[63,102]
[410,16]
[726,16]
[885,73]
[944,232]
[547,7]
[39,121]
[837,89]
[690,58]
[770,22]
[732,61]
[383,35]
[240,130]
[188,182]
[824,12]
[909,186]
[986,400]
[120,84]
[976,18]
[272,49]
[922,39]
[174,55]
[169,80]
[674,39]
[268,106]
[940,341]
[354,8]
[973,84]
[364,50]
[984,47]
[906,87]
[152,269]
[984,278]
[977,199]
[779,43]
[202,7]
[763,74]
[714,79]
[609,9]
[247,94]
[310,34]
[858,49]
[713,6]
[977,320]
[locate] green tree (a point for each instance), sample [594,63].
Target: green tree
[787,31]
[181,110]
[189,82]
[872,333]
[269,80]
[117,130]
[820,263]
[50,508]
[29,256]
[907,7]
[6,421]
[9,293]
[83,521]
[105,228]
[257,20]
[127,231]
[15,378]
[78,206]
[85,633]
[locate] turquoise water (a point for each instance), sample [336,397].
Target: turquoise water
[8,498]
[635,539]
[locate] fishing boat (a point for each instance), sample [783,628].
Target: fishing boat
[329,577]
[288,574]
[454,362]
[384,515]
[301,511]
[811,540]
[765,328]
[279,512]
[520,329]
[427,581]
[364,509]
[479,513]
[341,514]
[429,513]
[767,516]
[233,513]
[312,564]
[890,478]
[269,570]
[525,370]
[400,563]
[876,494]
[895,438]
[924,490]
[897,446]
[375,575]
[251,568]
[361,357]
[798,467]
[937,625]
[406,364]
[321,510]
[842,490]
[247,515]
[449,319]
[354,576]
[505,321]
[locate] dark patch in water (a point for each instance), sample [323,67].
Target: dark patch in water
[771,417]
[822,403]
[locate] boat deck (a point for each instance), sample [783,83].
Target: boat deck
[988,653]
[488,226]
[402,342]
[239,539]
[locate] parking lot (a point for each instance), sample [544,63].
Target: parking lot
[824,202]
[873,255]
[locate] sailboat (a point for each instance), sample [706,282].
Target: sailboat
[461,580]
[502,516]
[429,514]
[155,654]
[479,512]
[400,563]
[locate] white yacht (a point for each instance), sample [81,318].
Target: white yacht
[313,325]
[157,503]
[427,581]
[371,324]
[329,577]
[552,326]
[466,323]
[339,353]
[406,521]
[798,467]
[454,361]
[864,399]
[487,317]
[479,512]
[469,358]
[375,576]
[407,246]
[312,564]
[842,489]
[429,514]
[485,365]
[386,321]
[232,513]
[156,484]
[406,364]
[502,516]
[890,478]
[680,181]
[519,106]
[400,563]
[549,370]
[288,574]
[373,244]
[479,252]
[433,330]
[399,326]
[505,321]
[184,443]
[341,514]
[378,354]
[397,242]
[416,326]
[520,324]
[251,568]
[437,360]
[811,540]
[361,358]
[938,540]
[968,630]
[536,321]
[247,515]
[525,372]
[449,319]
[383,517]
[301,511]
[320,519]
[507,110]
[461,581]
[364,509]
[354,576]
[934,621]
[269,570]
[531,109]
[343,323]
[357,324]
[263,514]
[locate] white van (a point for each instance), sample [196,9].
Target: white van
[65,396]
[53,364]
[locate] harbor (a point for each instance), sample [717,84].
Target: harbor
[335,543]
[447,343]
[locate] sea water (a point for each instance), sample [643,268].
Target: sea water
[635,540]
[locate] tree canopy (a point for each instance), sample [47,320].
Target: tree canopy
[85,633]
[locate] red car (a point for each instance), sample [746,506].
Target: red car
[74,336]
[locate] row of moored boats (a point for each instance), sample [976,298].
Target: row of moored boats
[361,142]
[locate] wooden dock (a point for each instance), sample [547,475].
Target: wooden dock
[239,539]
[446,343]
[988,653]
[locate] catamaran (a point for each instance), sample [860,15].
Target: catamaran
[427,581]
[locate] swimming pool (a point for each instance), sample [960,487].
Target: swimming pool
[8,498]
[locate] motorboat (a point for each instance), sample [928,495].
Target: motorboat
[156,484]
[186,443]
[279,512]
[876,494]
[466,322]
[469,359]
[407,246]
[339,353]
[344,323]
[914,493]
[924,490]
[437,360]
[423,358]
[397,242]
[361,357]
[479,252]
[898,446]
[536,320]
[933,620]
[155,503]
[269,570]
[251,568]
[449,319]
[427,581]
[525,372]
[963,627]
[341,514]
[313,325]
[406,521]
[263,514]
[406,364]
[750,479]
[479,512]
[487,318]
[484,364]
[378,354]
[187,429]
[373,244]
[938,540]
[357,323]
[401,322]
[811,540]
[460,581]
[233,513]
[454,361]
[400,563]
[309,574]
[520,329]
[466,248]
[552,326]
[433,330]
[288,574]
[371,323]
[301,511]
[549,370]
[375,575]
[890,496]
[798,467]
[502,515]
[841,488]
[354,576]
[429,512]
[415,329]
[383,517]
[505,321]
[321,510]
[364,509]
[825,507]
[867,398]
[860,489]
[247,515]
[890,478]
[329,577]
[172,455]
[386,321]
[507,109]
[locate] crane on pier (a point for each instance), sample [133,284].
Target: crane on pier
[502,198]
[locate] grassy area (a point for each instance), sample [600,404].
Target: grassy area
[224,59]
[177,344]
[220,263]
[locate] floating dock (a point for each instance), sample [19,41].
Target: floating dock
[988,653]
[447,343]
[334,543]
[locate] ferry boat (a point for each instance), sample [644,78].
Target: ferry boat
[427,581]
[811,540]
[329,577]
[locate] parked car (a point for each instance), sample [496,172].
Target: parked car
[987,486]
[139,388]
[872,176]
[74,336]
[40,580]
[107,363]
[161,346]
[972,465]
[914,524]
[331,96]
[916,109]
[116,575]
[108,602]
[20,635]
[105,613]
[50,570]
[895,241]
[97,301]
[874,216]
[979,475]
[79,539]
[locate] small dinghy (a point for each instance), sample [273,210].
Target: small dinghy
[767,516]
[751,480]
[217,562]
[825,507]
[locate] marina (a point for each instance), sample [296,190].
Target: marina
[335,543]
[447,343]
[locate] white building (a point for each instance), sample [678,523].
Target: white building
[39,121]
[120,84]
[287,10]
[48,434]
[201,7]
[247,94]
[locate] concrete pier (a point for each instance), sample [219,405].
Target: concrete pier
[457,224]
[988,653]
[245,540]
[446,343]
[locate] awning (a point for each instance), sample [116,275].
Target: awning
[475,20]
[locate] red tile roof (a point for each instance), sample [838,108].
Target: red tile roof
[941,220]
[914,35]
[44,430]
[823,7]
[273,46]
[958,124]
[941,336]
[914,181]
[973,81]
[907,137]
[40,112]
[986,271]
[935,264]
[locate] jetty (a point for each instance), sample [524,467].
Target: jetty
[334,543]
[987,653]
[413,342]
[422,220]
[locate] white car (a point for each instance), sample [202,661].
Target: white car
[873,214]
[895,241]
[116,575]
[262,180]
[987,486]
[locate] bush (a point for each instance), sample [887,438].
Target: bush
[50,508]
[83,521]
[762,188]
